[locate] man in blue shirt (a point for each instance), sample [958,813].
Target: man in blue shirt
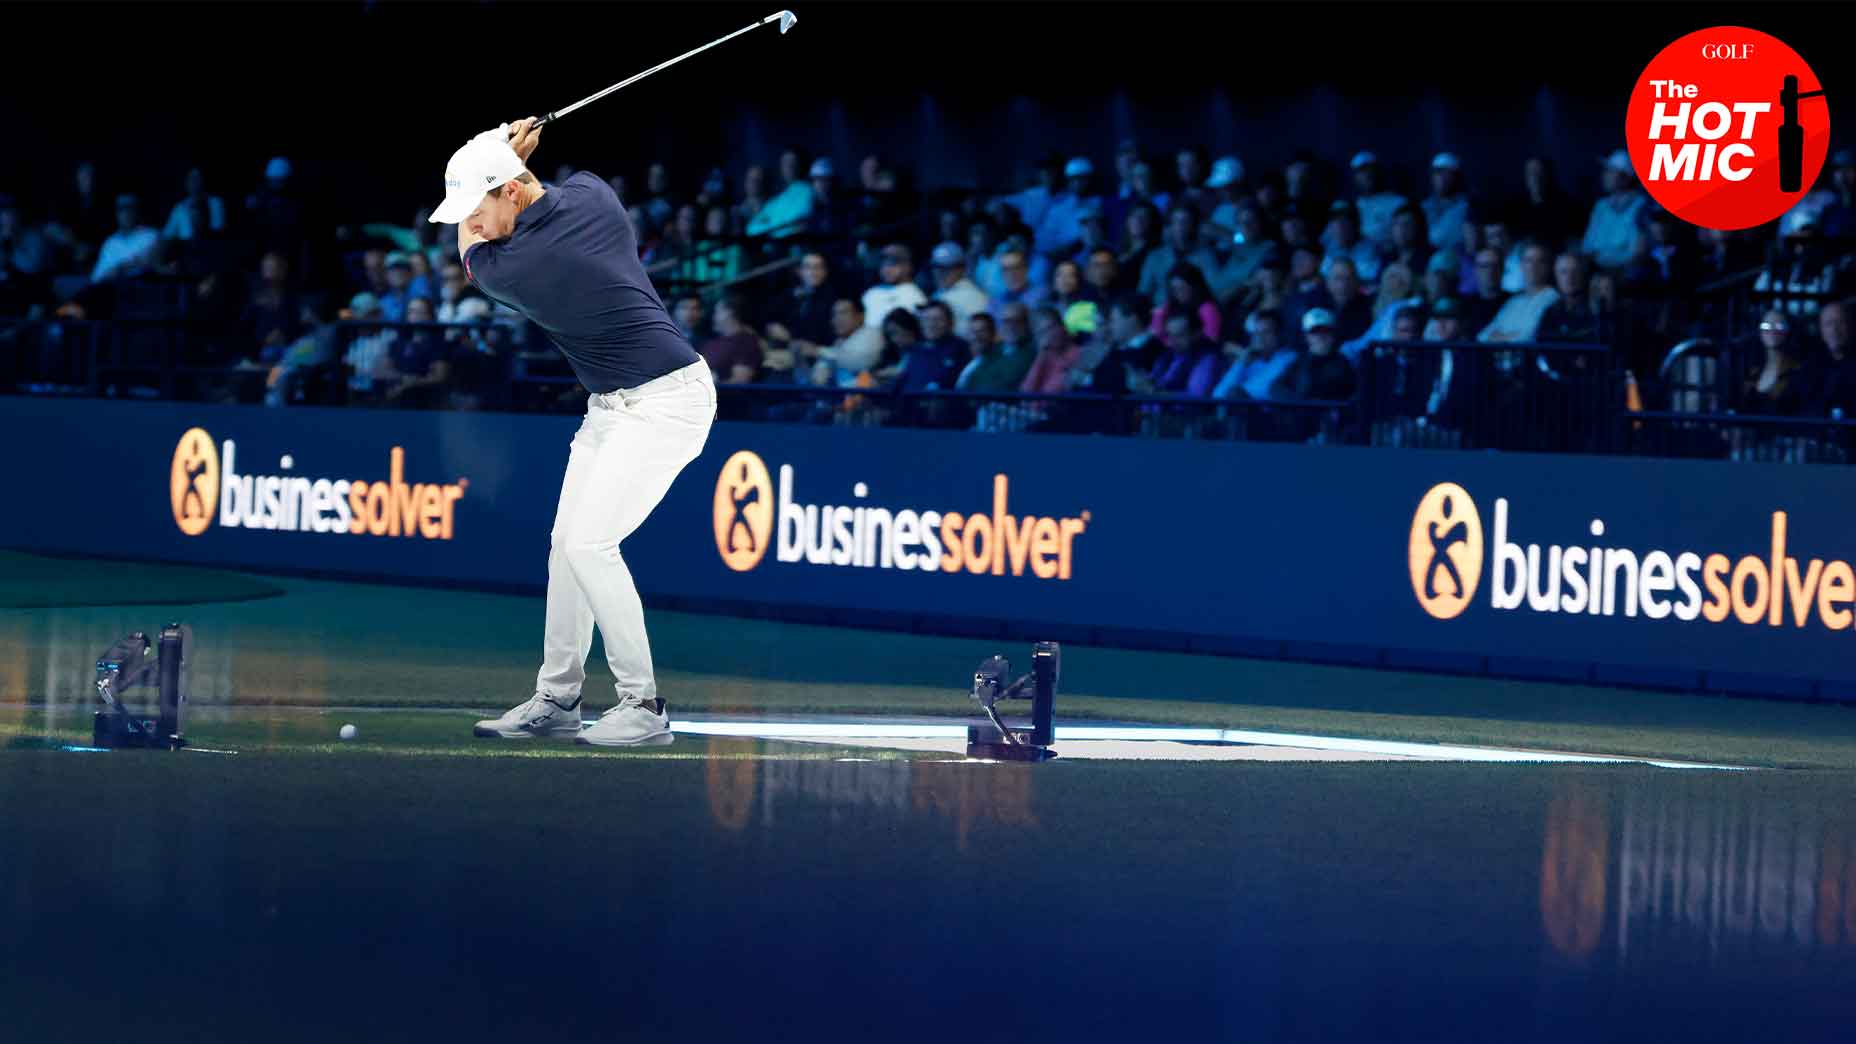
[566,257]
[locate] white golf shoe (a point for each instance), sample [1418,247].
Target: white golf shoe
[540,715]
[634,722]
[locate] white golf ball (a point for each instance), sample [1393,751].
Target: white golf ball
[348,732]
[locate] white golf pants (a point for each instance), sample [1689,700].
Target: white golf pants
[628,451]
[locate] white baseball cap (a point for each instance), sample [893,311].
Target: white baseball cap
[484,163]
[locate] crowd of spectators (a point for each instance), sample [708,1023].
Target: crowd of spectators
[1196,276]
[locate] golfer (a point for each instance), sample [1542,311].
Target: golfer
[566,257]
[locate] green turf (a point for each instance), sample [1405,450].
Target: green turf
[36,581]
[330,645]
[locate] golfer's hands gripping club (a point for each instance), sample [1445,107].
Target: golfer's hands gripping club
[524,135]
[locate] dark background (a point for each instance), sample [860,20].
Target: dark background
[368,99]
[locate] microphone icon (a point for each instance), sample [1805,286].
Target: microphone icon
[1791,136]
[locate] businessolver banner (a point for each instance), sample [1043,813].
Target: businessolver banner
[1732,576]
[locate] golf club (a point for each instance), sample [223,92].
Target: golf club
[785,18]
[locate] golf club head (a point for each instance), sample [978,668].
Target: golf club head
[787,18]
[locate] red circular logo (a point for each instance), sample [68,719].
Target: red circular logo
[1727,128]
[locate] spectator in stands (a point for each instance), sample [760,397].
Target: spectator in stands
[1257,366]
[657,202]
[688,315]
[1127,154]
[1182,244]
[931,356]
[1833,376]
[753,198]
[1137,192]
[1095,234]
[368,353]
[790,170]
[803,315]
[1321,373]
[1375,205]
[197,213]
[1776,385]
[994,367]
[1615,236]
[1057,355]
[1411,240]
[1292,228]
[1487,299]
[1496,237]
[680,238]
[1519,317]
[1543,212]
[714,259]
[22,247]
[1250,247]
[1015,331]
[1060,232]
[1016,287]
[1342,239]
[1396,293]
[399,287]
[1188,293]
[954,288]
[453,288]
[275,212]
[856,349]
[1668,264]
[735,354]
[1103,273]
[272,317]
[1446,323]
[1227,188]
[1340,298]
[1304,272]
[1439,276]
[1271,195]
[1189,164]
[897,289]
[1191,364]
[790,211]
[1838,218]
[421,363]
[1067,288]
[1267,289]
[1470,251]
[982,262]
[1301,181]
[81,220]
[1138,239]
[1131,351]
[1577,317]
[132,250]
[1446,209]
[834,213]
[1803,270]
[1032,203]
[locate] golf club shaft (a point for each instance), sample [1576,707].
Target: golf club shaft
[774,17]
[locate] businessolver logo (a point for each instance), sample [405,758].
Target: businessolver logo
[756,513]
[205,486]
[743,511]
[1446,550]
[193,481]
[1766,578]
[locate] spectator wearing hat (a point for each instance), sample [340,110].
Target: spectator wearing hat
[1060,232]
[197,213]
[399,287]
[1802,272]
[1257,366]
[1543,212]
[367,354]
[1614,236]
[1446,209]
[1182,244]
[131,250]
[1342,238]
[897,289]
[1838,218]
[1320,373]
[1228,187]
[833,213]
[1375,204]
[275,212]
[1095,234]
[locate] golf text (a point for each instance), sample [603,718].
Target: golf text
[388,507]
[886,538]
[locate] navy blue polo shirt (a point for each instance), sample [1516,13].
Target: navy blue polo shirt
[571,266]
